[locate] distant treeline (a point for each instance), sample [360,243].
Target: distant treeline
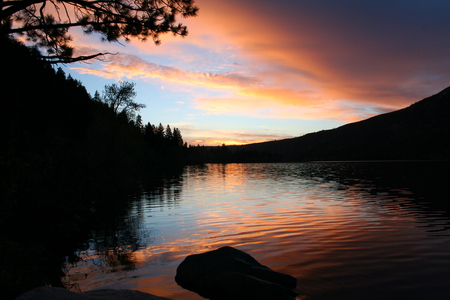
[227,154]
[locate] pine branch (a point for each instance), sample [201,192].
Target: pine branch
[64,60]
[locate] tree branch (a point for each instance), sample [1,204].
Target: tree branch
[62,25]
[63,60]
[48,27]
[16,6]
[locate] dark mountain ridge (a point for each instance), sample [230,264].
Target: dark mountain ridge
[418,132]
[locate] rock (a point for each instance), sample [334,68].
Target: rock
[55,293]
[228,273]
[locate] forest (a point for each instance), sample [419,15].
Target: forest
[67,156]
[64,155]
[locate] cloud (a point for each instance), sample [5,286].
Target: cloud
[219,137]
[249,95]
[373,52]
[245,95]
[195,134]
[130,66]
[300,59]
[269,109]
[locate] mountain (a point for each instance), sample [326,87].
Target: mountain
[418,132]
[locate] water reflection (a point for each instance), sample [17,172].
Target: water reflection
[344,230]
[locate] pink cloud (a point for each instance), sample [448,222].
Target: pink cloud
[219,137]
[304,59]
[369,52]
[247,95]
[130,66]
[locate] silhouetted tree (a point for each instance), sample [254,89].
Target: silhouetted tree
[159,133]
[168,135]
[46,22]
[120,98]
[177,138]
[138,123]
[97,97]
[149,134]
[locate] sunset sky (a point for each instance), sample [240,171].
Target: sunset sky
[258,70]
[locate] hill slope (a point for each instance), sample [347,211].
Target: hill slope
[420,131]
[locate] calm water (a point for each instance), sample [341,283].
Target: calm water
[366,230]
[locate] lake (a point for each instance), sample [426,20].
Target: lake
[345,230]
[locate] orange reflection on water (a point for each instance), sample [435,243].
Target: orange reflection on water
[163,286]
[332,238]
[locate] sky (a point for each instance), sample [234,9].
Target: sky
[257,70]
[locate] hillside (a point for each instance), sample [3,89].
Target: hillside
[420,131]
[66,161]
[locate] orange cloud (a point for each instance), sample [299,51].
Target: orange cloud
[130,66]
[281,96]
[229,140]
[195,135]
[247,95]
[300,59]
[270,109]
[371,53]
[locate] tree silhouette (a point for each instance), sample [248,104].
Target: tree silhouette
[138,123]
[168,135]
[46,22]
[120,98]
[149,134]
[177,138]
[159,133]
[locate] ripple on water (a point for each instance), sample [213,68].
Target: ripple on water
[342,229]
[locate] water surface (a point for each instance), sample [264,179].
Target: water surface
[360,230]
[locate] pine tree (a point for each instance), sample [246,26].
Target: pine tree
[159,134]
[168,135]
[177,138]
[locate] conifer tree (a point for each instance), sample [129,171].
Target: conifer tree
[138,122]
[177,138]
[168,135]
[159,134]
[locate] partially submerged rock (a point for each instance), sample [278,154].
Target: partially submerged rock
[228,273]
[54,293]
